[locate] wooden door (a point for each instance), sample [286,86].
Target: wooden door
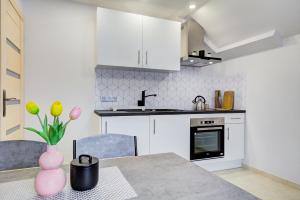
[161,44]
[12,107]
[119,38]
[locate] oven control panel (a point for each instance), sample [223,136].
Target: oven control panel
[196,122]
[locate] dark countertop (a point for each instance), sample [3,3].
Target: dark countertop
[110,113]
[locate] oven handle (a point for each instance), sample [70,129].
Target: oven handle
[209,129]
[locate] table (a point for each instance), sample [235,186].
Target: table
[161,176]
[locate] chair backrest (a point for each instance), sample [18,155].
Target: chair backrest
[106,146]
[17,154]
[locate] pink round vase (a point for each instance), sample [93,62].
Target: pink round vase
[51,179]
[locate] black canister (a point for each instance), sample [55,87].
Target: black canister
[84,172]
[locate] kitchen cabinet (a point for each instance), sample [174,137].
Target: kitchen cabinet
[234,137]
[161,44]
[119,38]
[129,125]
[131,40]
[170,133]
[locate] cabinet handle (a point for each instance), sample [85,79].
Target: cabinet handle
[154,127]
[228,135]
[139,57]
[233,118]
[146,57]
[105,127]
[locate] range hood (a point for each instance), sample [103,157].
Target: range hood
[194,52]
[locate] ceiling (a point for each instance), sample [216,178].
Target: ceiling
[232,27]
[231,21]
[169,9]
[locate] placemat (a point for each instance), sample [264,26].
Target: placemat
[112,185]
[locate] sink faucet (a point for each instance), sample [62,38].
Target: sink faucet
[144,96]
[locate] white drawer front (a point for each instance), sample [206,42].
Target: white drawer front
[235,118]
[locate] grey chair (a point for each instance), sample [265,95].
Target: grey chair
[17,154]
[106,146]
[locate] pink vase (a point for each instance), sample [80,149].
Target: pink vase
[51,179]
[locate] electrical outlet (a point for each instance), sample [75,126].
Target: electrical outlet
[109,99]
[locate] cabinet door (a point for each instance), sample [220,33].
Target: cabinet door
[119,38]
[161,44]
[234,141]
[129,125]
[170,133]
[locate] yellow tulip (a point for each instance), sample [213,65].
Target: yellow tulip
[56,109]
[32,108]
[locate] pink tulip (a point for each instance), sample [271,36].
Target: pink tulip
[75,113]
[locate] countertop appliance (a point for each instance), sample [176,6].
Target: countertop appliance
[84,172]
[207,138]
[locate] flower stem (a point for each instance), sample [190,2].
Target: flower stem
[40,120]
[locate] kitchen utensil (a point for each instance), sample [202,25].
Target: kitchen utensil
[206,107]
[84,172]
[218,100]
[199,101]
[228,101]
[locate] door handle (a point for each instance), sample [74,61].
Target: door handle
[139,57]
[4,102]
[154,127]
[146,57]
[105,127]
[208,129]
[228,135]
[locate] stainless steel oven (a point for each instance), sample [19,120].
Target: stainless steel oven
[207,138]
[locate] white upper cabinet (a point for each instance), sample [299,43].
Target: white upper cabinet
[161,44]
[119,38]
[131,40]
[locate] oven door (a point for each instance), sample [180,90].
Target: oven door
[207,142]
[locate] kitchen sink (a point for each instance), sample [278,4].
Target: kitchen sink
[149,110]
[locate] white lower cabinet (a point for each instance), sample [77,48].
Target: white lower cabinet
[234,141]
[129,125]
[170,133]
[234,136]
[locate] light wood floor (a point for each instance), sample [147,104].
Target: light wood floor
[259,185]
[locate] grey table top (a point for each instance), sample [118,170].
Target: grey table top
[161,176]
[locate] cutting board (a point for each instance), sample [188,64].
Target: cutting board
[228,100]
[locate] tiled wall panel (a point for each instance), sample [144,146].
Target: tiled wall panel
[173,89]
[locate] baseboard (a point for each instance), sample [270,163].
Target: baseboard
[273,177]
[217,165]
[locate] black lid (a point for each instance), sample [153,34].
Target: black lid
[84,161]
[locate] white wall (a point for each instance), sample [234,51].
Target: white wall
[59,63]
[272,104]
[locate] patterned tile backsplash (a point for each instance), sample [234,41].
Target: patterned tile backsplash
[173,89]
